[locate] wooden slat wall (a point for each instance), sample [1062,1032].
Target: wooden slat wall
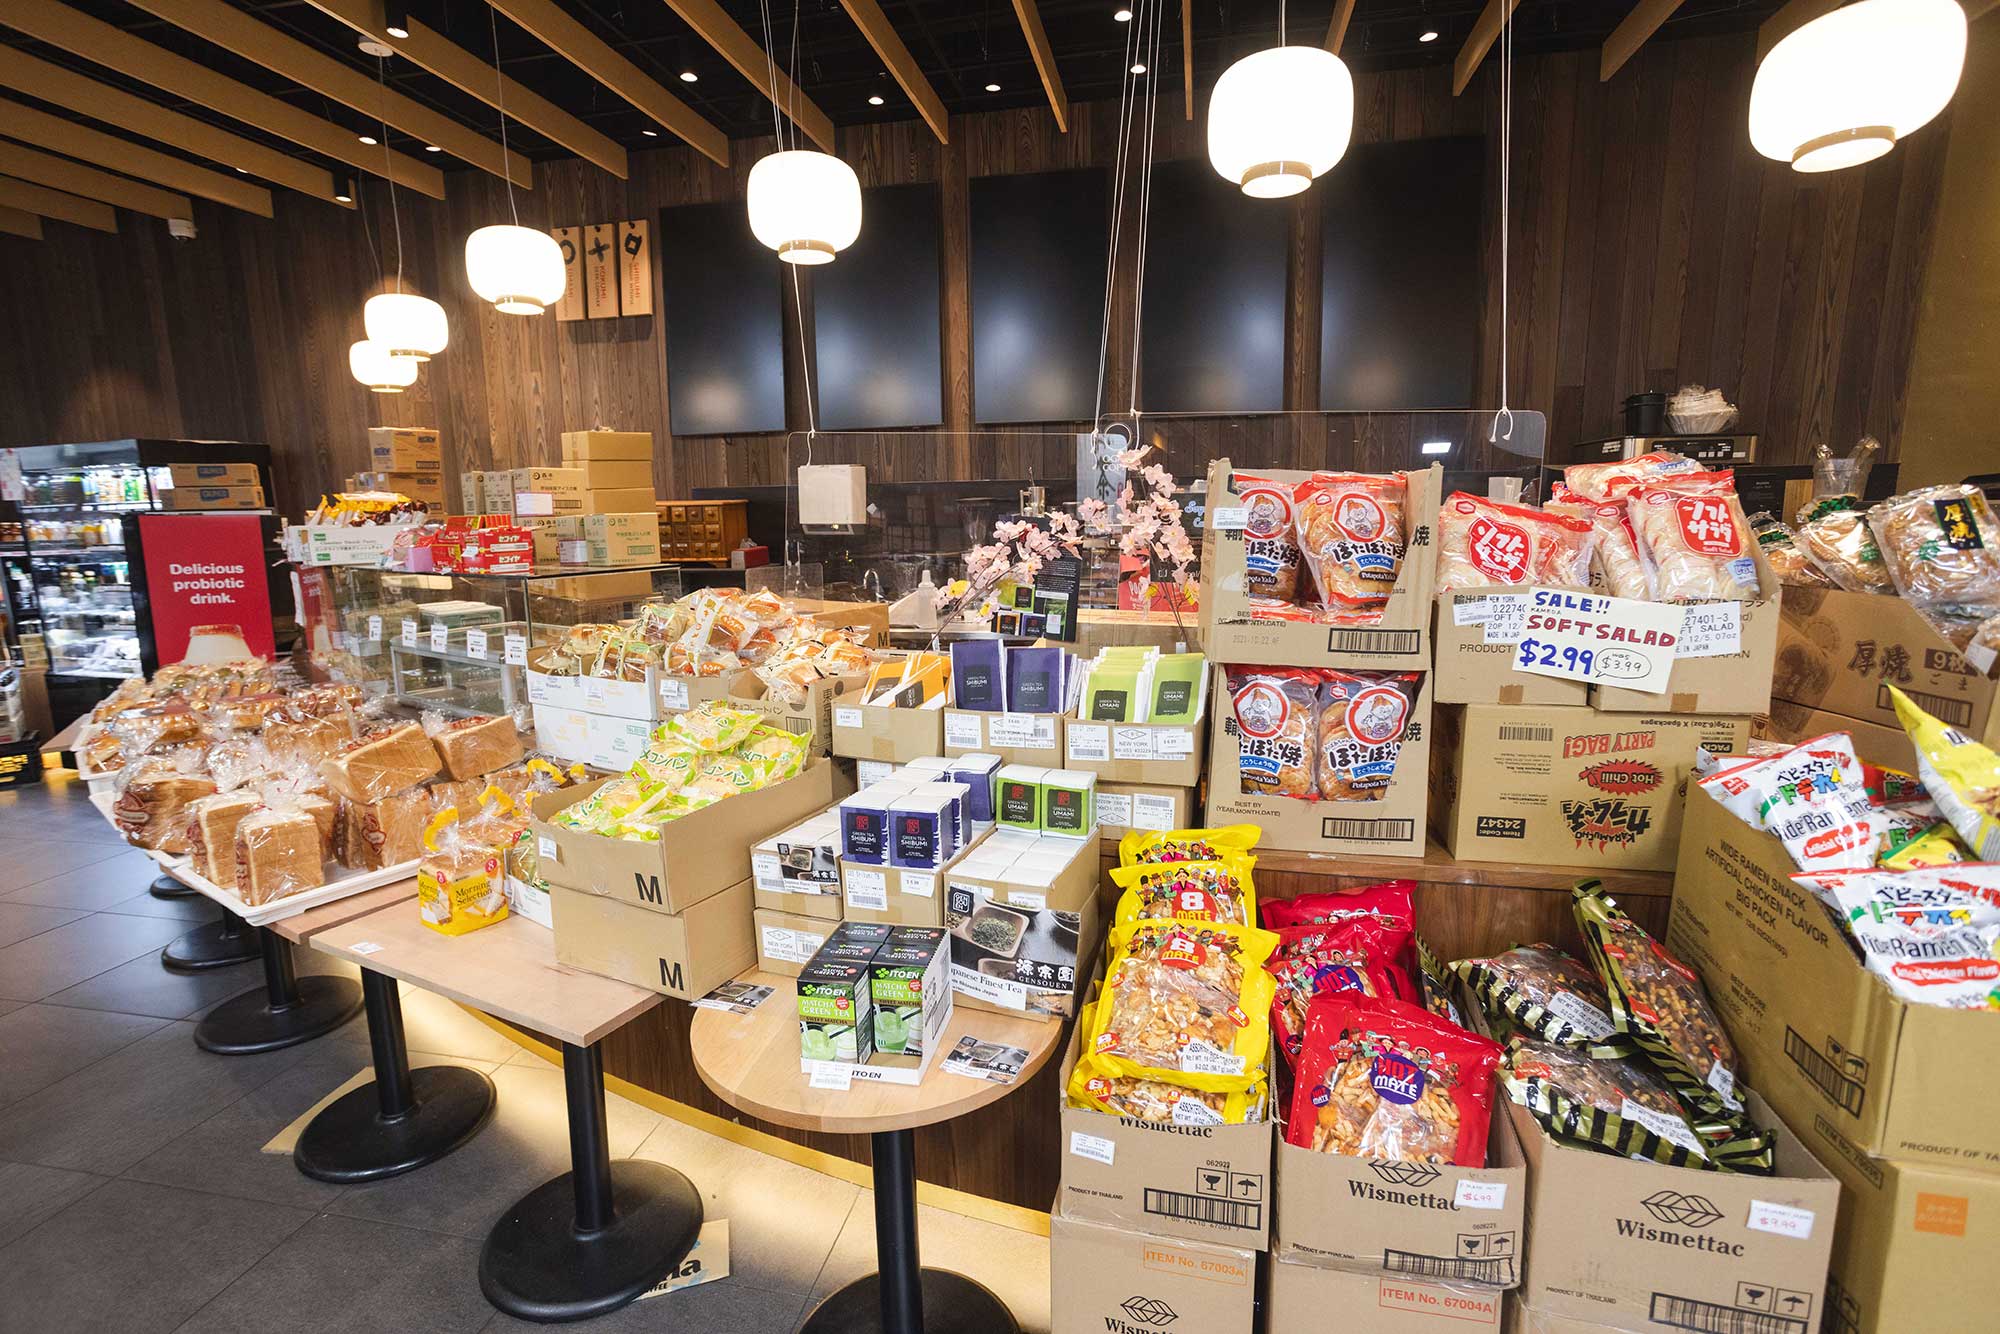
[1651,247]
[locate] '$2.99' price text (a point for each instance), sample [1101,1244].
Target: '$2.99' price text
[1533,652]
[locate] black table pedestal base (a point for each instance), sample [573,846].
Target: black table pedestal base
[221,943]
[597,1237]
[404,1118]
[953,1304]
[166,887]
[288,1009]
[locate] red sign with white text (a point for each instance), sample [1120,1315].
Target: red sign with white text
[203,570]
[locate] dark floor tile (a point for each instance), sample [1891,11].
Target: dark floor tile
[145,986]
[343,1274]
[86,876]
[44,964]
[18,921]
[726,1306]
[138,1258]
[1014,1264]
[40,1044]
[194,910]
[30,1194]
[109,1115]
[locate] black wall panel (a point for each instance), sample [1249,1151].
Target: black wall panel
[876,317]
[725,330]
[1038,245]
[1399,320]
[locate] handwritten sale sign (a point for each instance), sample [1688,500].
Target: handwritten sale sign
[1600,640]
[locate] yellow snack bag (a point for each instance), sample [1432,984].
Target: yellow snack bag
[1962,776]
[1204,891]
[1187,845]
[1936,846]
[1163,1101]
[1185,1002]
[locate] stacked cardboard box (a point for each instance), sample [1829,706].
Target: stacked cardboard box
[213,498]
[613,475]
[403,449]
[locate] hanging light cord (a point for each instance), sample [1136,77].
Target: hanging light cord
[778,132]
[1125,101]
[388,168]
[1145,196]
[1505,413]
[500,104]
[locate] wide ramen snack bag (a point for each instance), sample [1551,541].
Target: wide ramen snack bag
[1695,538]
[1350,528]
[1277,728]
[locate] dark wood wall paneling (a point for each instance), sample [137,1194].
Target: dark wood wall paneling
[1651,247]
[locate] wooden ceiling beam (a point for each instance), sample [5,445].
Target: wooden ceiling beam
[1485,31]
[129,159]
[1631,34]
[1045,60]
[114,48]
[875,26]
[114,106]
[233,30]
[475,77]
[89,183]
[555,29]
[736,46]
[1336,31]
[1187,59]
[47,203]
[16,222]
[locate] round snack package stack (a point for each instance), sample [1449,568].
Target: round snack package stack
[1384,1079]
[1363,717]
[1541,991]
[1277,721]
[1485,542]
[1351,537]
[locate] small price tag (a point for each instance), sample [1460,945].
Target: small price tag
[440,638]
[923,884]
[845,717]
[1027,898]
[374,629]
[832,1075]
[867,889]
[1481,1195]
[1094,1147]
[1229,518]
[766,870]
[593,693]
[409,633]
[962,730]
[1089,742]
[673,694]
[514,650]
[1174,742]
[367,947]
[475,644]
[1781,1219]
[545,848]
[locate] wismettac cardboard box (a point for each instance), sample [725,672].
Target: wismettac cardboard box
[1565,785]
[1179,1179]
[1400,639]
[1307,1297]
[1469,670]
[1914,1244]
[1163,754]
[872,732]
[213,498]
[1124,807]
[1841,651]
[1641,1246]
[786,941]
[607,445]
[1873,742]
[404,449]
[1394,826]
[214,474]
[1457,1225]
[1820,1036]
[685,954]
[1107,1280]
[698,855]
[1017,738]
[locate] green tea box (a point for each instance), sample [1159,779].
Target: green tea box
[1020,801]
[1069,803]
[909,982]
[836,1019]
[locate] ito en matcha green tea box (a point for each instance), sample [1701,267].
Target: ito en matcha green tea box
[836,1021]
[909,983]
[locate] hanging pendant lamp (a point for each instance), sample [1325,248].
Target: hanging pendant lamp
[1843,89]
[518,269]
[805,205]
[381,370]
[1280,119]
[408,325]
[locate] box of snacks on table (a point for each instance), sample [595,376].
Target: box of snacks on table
[1302,569]
[679,825]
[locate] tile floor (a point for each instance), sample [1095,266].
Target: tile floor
[135,1194]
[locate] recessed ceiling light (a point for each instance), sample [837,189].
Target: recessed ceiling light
[1138,69]
[370,139]
[1122,16]
[1437,446]
[1428,36]
[344,198]
[689,76]
[432,148]
[650,134]
[992,87]
[875,101]
[244,170]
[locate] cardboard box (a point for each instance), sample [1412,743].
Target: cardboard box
[698,855]
[213,498]
[1199,1183]
[1162,754]
[404,449]
[1873,742]
[1841,651]
[613,474]
[214,474]
[1819,1035]
[899,895]
[1641,1246]
[810,717]
[785,941]
[1393,826]
[1104,1278]
[498,497]
[425,486]
[1457,1225]
[607,445]
[1302,1297]
[796,871]
[619,500]
[1123,807]
[1055,927]
[1471,671]
[550,533]
[1017,738]
[685,954]
[549,481]
[1400,640]
[1912,1244]
[870,732]
[678,694]
[1738,682]
[1565,785]
[638,700]
[599,740]
[622,539]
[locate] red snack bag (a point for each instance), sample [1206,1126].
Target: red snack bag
[1350,527]
[1387,903]
[1270,543]
[1694,538]
[1312,960]
[1389,1080]
[1483,542]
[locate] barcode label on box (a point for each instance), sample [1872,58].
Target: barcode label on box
[867,889]
[1094,1147]
[1399,831]
[1511,732]
[545,848]
[1374,643]
[1229,518]
[673,694]
[1089,742]
[766,870]
[962,730]
[1486,1271]
[1715,1318]
[1151,811]
[1204,1209]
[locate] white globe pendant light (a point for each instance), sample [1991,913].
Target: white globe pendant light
[375,366]
[1280,119]
[805,205]
[518,269]
[1843,89]
[408,325]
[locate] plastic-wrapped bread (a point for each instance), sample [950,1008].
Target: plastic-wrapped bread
[212,822]
[375,834]
[277,854]
[384,762]
[461,880]
[307,740]
[238,759]
[470,747]
[151,809]
[1695,538]
[325,812]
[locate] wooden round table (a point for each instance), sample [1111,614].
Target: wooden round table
[751,1062]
